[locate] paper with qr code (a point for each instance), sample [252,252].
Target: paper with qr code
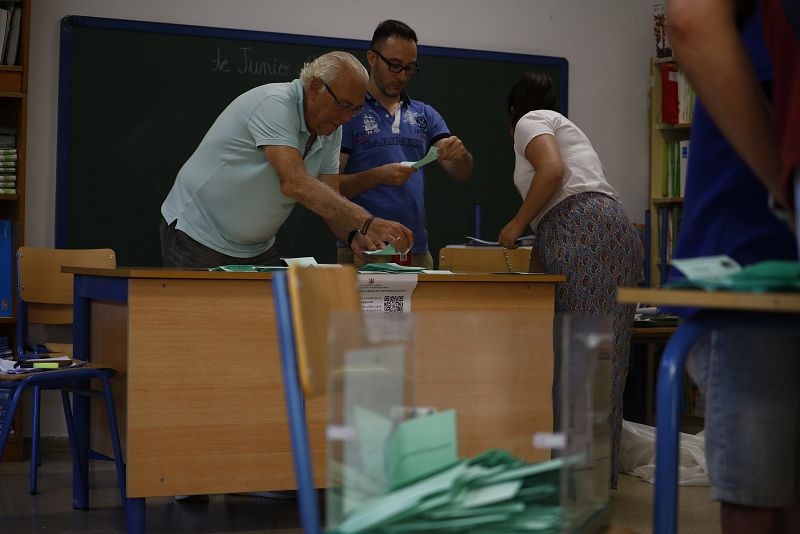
[386,293]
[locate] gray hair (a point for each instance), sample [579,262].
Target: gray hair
[327,66]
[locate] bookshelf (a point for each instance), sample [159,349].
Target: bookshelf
[13,114]
[668,153]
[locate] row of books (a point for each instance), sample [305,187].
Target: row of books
[8,160]
[677,96]
[10,34]
[673,168]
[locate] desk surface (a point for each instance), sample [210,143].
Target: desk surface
[161,272]
[722,300]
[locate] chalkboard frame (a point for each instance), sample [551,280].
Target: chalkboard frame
[68,23]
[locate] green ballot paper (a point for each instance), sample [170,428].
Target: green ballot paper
[389,250]
[431,156]
[422,446]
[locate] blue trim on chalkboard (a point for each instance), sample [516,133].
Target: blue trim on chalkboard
[334,43]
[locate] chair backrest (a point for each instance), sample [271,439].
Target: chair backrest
[315,292]
[43,290]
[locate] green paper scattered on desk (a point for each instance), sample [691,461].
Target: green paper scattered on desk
[723,273]
[431,156]
[248,268]
[389,268]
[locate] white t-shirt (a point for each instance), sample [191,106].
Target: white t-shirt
[583,171]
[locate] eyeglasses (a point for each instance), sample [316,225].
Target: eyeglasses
[410,69]
[344,107]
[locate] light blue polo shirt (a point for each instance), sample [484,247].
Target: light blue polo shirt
[227,196]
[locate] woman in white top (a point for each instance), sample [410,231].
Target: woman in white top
[582,230]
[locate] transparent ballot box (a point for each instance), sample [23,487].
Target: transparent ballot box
[451,421]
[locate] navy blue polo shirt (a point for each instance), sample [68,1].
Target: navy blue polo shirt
[373,138]
[725,205]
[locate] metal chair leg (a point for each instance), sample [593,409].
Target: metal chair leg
[35,433]
[669,395]
[307,497]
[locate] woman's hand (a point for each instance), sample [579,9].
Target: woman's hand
[510,233]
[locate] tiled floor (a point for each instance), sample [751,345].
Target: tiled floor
[51,512]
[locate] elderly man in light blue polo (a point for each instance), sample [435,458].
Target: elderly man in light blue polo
[274,145]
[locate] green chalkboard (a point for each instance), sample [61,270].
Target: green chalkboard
[135,99]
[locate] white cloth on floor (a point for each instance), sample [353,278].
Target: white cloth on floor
[638,452]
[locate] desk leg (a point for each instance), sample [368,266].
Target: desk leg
[670,393]
[134,515]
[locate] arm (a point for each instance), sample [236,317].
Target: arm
[544,155]
[339,214]
[454,157]
[352,185]
[708,49]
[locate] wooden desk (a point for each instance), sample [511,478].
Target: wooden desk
[201,404]
[776,308]
[720,300]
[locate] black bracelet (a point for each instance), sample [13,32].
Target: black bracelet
[351,236]
[365,227]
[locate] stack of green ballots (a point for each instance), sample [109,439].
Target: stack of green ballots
[491,493]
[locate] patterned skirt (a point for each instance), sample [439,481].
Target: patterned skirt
[588,238]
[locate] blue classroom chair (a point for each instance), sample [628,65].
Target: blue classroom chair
[303,316]
[45,297]
[669,393]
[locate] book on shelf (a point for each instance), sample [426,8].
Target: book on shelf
[6,267]
[8,137]
[669,224]
[8,156]
[677,96]
[11,48]
[669,93]
[8,191]
[674,164]
[683,148]
[5,18]
[685,100]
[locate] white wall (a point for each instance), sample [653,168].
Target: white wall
[607,43]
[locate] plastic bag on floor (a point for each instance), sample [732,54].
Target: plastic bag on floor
[638,451]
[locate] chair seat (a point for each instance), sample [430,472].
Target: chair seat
[66,374]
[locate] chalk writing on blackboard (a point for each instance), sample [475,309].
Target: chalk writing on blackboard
[246,62]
